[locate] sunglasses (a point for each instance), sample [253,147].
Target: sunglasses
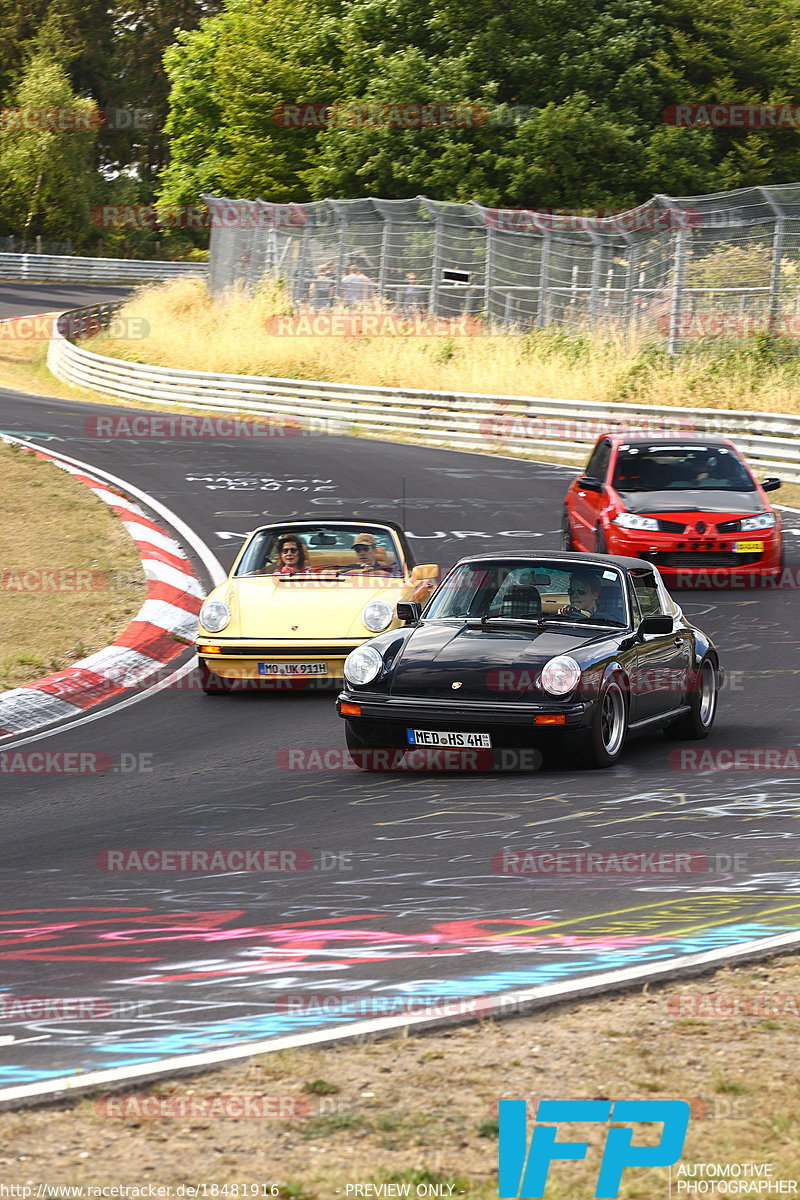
[362,549]
[578,591]
[290,550]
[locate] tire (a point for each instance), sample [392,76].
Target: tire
[212,685]
[600,541]
[566,532]
[603,743]
[368,757]
[696,724]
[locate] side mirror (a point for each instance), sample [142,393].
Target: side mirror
[770,484]
[426,571]
[589,483]
[652,625]
[409,611]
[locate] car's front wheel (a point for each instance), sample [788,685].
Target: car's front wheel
[696,724]
[603,743]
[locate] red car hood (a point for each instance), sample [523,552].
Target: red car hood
[686,506]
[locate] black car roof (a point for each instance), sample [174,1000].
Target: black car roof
[572,556]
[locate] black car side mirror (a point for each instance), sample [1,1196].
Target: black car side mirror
[652,625]
[409,611]
[770,484]
[589,483]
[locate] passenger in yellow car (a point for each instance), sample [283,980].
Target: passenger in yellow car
[292,556]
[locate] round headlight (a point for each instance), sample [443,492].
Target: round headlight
[377,615]
[214,615]
[560,675]
[362,665]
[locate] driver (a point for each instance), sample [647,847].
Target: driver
[366,547]
[584,595]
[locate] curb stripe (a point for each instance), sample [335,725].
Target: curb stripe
[158,633]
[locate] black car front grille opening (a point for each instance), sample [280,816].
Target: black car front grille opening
[702,558]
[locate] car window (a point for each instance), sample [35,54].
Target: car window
[323,548]
[648,596]
[557,591]
[597,465]
[654,468]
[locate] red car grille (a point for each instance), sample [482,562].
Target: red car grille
[701,558]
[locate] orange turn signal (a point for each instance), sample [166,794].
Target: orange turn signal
[551,719]
[210,649]
[349,710]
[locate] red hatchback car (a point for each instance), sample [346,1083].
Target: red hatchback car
[688,505]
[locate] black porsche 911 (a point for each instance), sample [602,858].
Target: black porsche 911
[532,650]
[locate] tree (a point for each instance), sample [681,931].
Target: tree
[46,155]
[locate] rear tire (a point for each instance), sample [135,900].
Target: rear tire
[696,724]
[603,743]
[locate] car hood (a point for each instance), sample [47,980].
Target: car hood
[317,610]
[690,504]
[490,664]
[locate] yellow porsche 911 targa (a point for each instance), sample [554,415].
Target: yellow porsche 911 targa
[300,596]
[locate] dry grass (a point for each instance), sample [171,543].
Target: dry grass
[52,522]
[188,329]
[422,1108]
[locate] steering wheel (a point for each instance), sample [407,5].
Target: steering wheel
[571,611]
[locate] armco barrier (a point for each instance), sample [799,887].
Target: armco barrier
[53,268]
[465,421]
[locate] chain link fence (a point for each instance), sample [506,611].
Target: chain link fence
[676,268]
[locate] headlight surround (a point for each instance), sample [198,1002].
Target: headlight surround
[377,615]
[762,521]
[560,675]
[215,615]
[362,665]
[628,520]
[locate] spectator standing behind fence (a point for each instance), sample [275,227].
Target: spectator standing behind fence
[357,288]
[323,287]
[411,297]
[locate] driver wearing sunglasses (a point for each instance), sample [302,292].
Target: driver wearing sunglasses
[584,594]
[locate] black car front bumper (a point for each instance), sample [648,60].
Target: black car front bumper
[384,720]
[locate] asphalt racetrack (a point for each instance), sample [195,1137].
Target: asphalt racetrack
[403,899]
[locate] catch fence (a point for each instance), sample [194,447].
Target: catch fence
[677,268]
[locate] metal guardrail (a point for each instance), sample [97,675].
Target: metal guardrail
[505,424]
[54,268]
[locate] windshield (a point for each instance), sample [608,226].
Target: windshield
[555,592]
[680,468]
[304,550]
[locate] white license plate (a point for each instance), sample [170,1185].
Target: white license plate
[748,547]
[289,668]
[432,737]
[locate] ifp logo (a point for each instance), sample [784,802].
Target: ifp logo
[522,1172]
